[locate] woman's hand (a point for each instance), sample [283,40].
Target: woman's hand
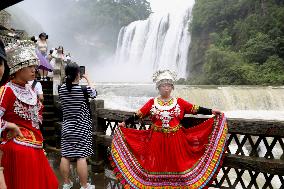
[16,130]
[122,124]
[216,112]
[86,77]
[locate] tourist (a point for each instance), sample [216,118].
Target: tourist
[168,155]
[58,53]
[58,59]
[76,134]
[41,51]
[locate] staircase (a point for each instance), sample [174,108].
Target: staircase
[50,130]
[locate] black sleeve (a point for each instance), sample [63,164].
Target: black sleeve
[131,119]
[204,111]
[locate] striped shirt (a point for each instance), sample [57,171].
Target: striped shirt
[76,134]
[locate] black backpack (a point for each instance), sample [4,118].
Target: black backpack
[86,95]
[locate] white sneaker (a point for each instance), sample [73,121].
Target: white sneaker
[89,186]
[68,186]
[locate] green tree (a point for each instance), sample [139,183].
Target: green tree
[237,42]
[226,67]
[272,71]
[259,48]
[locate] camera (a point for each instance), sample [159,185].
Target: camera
[82,71]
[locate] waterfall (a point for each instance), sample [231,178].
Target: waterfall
[160,42]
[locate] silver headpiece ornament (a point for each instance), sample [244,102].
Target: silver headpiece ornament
[164,76]
[20,55]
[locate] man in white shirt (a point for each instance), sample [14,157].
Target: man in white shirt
[37,87]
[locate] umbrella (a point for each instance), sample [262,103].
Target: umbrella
[7,3]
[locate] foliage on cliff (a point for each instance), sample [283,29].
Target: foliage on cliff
[237,42]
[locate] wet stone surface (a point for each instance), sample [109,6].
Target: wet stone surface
[101,180]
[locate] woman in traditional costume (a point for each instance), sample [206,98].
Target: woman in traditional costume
[168,155]
[24,163]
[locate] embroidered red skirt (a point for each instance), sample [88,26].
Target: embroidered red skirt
[186,158]
[26,168]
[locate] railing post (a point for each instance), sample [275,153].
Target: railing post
[95,104]
[97,160]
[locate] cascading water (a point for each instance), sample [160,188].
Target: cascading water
[160,42]
[250,102]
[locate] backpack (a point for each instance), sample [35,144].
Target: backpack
[86,95]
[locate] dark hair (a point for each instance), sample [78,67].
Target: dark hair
[33,39]
[61,47]
[3,57]
[43,35]
[6,74]
[71,71]
[50,51]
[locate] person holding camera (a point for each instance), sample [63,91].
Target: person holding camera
[76,134]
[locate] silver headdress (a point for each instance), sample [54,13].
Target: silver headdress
[20,55]
[164,76]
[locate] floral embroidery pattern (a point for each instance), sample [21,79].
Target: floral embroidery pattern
[27,112]
[165,113]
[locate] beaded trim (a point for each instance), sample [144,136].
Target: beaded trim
[195,109]
[28,140]
[27,144]
[166,130]
[132,175]
[165,107]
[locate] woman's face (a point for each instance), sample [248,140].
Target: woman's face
[60,50]
[2,68]
[26,74]
[42,38]
[165,89]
